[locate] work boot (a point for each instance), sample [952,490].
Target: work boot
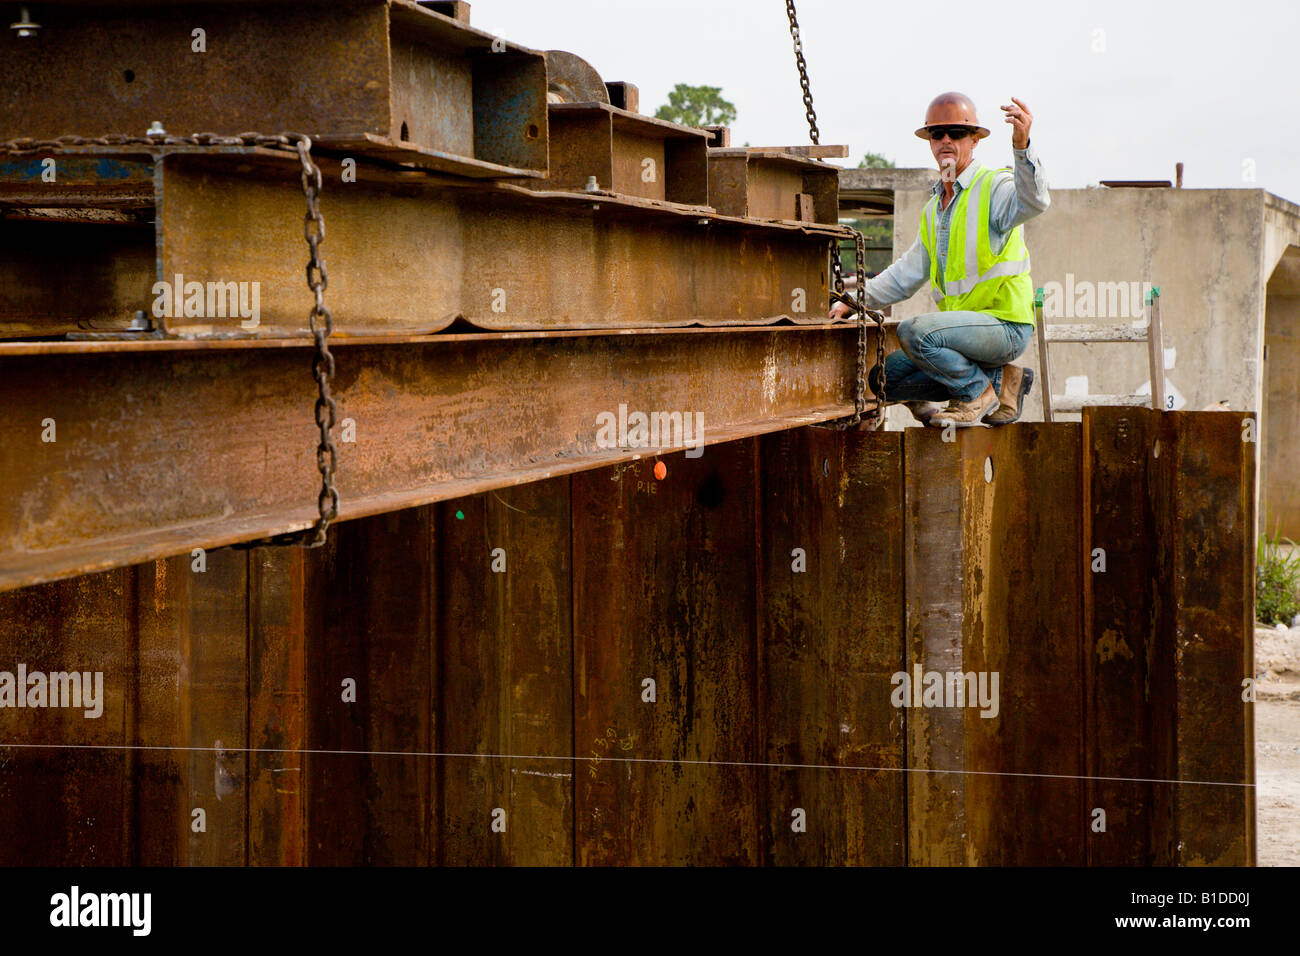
[1016,383]
[923,411]
[966,414]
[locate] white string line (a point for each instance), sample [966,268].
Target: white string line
[646,760]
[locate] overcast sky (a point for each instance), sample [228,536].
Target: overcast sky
[1119,90]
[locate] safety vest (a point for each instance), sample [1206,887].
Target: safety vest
[974,278]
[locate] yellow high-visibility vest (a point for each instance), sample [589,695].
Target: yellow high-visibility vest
[974,278]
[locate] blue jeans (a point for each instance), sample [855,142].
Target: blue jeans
[950,355]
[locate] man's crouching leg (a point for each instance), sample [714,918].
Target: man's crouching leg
[959,349]
[905,384]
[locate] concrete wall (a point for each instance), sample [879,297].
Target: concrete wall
[1280,421]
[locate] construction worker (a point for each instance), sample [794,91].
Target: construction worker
[971,248]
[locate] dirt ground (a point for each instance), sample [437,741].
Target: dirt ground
[1277,746]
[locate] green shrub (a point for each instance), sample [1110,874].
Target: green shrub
[1277,580]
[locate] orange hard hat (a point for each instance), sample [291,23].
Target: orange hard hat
[951,109]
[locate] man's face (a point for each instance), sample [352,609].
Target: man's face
[953,156]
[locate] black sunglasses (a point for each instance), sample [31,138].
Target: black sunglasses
[954,133]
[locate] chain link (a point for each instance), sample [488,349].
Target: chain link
[837,272]
[29,145]
[321,324]
[319,320]
[858,303]
[803,73]
[878,413]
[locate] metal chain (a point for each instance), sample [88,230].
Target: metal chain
[858,304]
[319,320]
[29,145]
[837,272]
[877,414]
[803,73]
[321,324]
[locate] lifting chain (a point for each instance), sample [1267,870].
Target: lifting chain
[858,303]
[319,320]
[321,324]
[803,73]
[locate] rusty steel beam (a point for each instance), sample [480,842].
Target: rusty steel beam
[629,154]
[159,447]
[95,181]
[393,80]
[406,253]
[769,184]
[500,258]
[112,263]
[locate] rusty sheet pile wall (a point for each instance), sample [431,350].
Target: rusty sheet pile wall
[612,668]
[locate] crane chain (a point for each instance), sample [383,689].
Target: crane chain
[803,73]
[875,416]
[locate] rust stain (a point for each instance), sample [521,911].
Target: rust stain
[1111,645]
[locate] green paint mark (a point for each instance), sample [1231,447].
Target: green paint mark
[460,516]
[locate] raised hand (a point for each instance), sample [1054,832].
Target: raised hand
[1021,119]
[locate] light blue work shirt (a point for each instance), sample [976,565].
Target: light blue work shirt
[1017,197]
